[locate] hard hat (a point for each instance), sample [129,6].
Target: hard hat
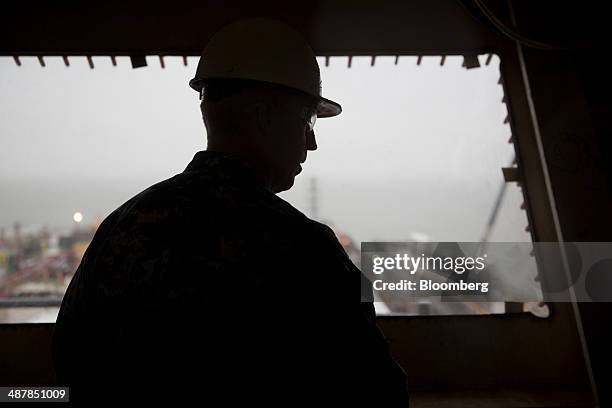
[264,50]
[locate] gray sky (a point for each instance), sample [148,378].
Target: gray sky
[417,149]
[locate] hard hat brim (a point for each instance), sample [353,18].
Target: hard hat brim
[328,108]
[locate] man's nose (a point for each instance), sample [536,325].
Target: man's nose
[311,143]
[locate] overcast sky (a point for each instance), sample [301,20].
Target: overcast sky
[417,151]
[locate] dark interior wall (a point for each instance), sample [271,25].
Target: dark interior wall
[25,355]
[571,96]
[593,77]
[573,114]
[439,353]
[332,27]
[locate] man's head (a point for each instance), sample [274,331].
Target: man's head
[267,125]
[260,88]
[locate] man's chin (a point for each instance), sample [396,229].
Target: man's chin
[285,185]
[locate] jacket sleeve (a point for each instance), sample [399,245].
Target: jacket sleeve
[382,382]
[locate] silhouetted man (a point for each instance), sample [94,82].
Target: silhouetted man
[208,285]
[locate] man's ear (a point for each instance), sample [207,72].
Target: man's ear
[261,114]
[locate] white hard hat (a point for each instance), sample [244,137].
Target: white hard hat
[264,50]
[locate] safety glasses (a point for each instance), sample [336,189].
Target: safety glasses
[306,114]
[310,118]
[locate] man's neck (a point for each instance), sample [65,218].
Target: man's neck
[250,159]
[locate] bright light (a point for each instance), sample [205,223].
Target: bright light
[77,217]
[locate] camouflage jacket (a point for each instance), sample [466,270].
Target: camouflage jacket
[209,273]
